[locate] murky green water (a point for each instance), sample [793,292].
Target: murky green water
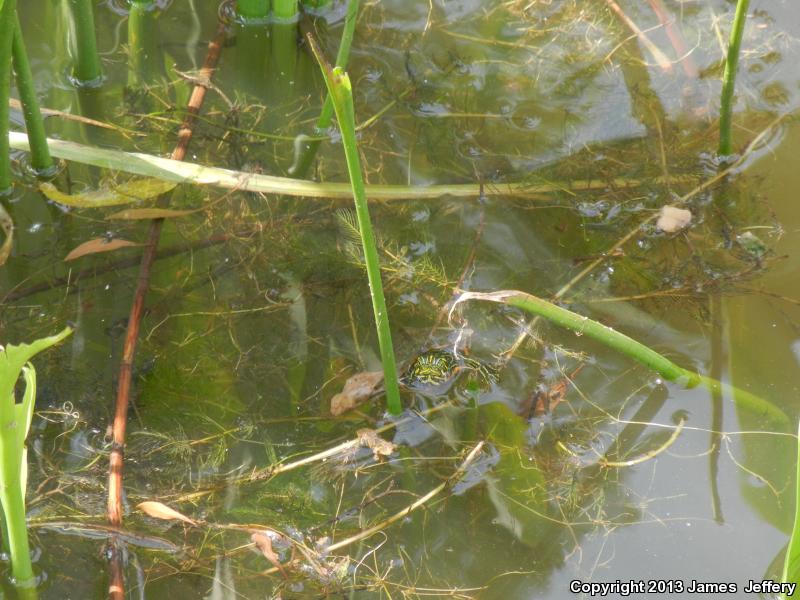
[259,309]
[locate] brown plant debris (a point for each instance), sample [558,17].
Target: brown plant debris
[357,389]
[369,438]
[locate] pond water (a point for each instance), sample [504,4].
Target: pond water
[259,309]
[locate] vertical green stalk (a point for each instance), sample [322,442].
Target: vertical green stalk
[14,508]
[40,153]
[309,149]
[284,42]
[145,61]
[341,93]
[252,9]
[729,78]
[87,69]
[285,9]
[8,20]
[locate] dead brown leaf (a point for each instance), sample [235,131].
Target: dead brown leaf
[357,389]
[368,438]
[157,510]
[263,542]
[99,245]
[546,401]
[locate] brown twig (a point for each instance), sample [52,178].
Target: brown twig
[676,39]
[660,57]
[114,507]
[398,516]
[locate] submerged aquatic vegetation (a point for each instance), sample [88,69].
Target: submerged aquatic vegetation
[257,332]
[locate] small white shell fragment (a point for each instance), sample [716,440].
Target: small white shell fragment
[672,219]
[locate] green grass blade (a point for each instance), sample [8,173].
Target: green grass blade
[729,78]
[149,165]
[309,151]
[630,347]
[791,565]
[341,92]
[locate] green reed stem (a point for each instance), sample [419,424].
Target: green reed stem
[310,147]
[8,20]
[252,9]
[729,78]
[86,69]
[636,350]
[341,93]
[40,154]
[146,61]
[285,9]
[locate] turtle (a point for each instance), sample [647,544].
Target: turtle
[439,366]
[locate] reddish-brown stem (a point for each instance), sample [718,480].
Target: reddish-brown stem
[114,508]
[676,39]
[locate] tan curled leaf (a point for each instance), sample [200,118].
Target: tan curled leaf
[157,510]
[99,245]
[264,544]
[7,225]
[134,190]
[133,214]
[369,438]
[672,219]
[356,390]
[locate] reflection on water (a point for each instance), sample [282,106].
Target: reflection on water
[259,309]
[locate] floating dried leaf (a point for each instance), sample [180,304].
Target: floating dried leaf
[157,510]
[369,438]
[99,245]
[357,389]
[263,542]
[672,219]
[134,190]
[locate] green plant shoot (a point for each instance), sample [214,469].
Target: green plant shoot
[310,147]
[15,421]
[791,564]
[341,93]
